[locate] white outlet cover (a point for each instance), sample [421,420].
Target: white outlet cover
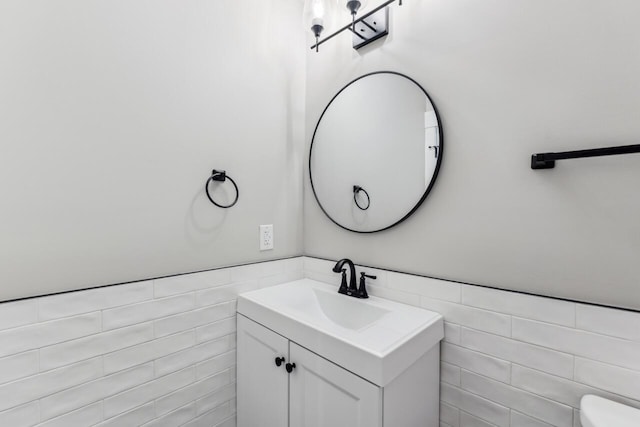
[266,237]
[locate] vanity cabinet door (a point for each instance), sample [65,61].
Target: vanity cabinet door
[323,394]
[262,385]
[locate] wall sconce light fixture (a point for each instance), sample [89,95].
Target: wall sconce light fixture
[315,12]
[366,29]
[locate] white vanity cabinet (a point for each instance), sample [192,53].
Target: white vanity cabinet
[263,387]
[310,357]
[317,393]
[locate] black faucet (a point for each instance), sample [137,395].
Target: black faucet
[351,289]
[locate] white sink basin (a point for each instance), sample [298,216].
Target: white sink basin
[343,312]
[374,338]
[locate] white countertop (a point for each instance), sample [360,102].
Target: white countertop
[374,338]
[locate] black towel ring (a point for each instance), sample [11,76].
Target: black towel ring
[221,176]
[356,190]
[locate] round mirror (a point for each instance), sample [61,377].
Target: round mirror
[376,152]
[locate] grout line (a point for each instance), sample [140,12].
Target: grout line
[511,386]
[597,389]
[510,327]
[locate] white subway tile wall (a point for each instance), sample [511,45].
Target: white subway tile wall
[514,360]
[153,353]
[162,352]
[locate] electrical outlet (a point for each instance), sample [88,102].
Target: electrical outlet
[266,237]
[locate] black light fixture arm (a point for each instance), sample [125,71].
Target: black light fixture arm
[317,30]
[352,24]
[548,160]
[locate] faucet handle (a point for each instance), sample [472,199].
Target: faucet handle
[362,289]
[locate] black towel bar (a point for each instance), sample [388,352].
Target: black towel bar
[548,160]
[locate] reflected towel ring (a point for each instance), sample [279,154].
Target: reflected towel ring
[435,147]
[356,190]
[221,176]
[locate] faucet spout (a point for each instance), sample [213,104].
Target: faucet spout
[352,270]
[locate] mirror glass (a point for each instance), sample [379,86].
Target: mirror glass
[376,152]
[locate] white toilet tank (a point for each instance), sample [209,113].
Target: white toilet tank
[599,412]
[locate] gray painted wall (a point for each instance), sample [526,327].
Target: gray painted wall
[509,79]
[112,115]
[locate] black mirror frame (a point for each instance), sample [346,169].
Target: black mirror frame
[435,172]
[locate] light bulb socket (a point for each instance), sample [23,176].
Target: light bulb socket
[354,6]
[317,29]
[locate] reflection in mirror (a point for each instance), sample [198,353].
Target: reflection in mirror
[376,152]
[359,194]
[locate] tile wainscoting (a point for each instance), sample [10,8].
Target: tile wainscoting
[153,353]
[162,352]
[516,360]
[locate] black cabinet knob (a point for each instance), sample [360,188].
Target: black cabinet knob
[290,367]
[279,361]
